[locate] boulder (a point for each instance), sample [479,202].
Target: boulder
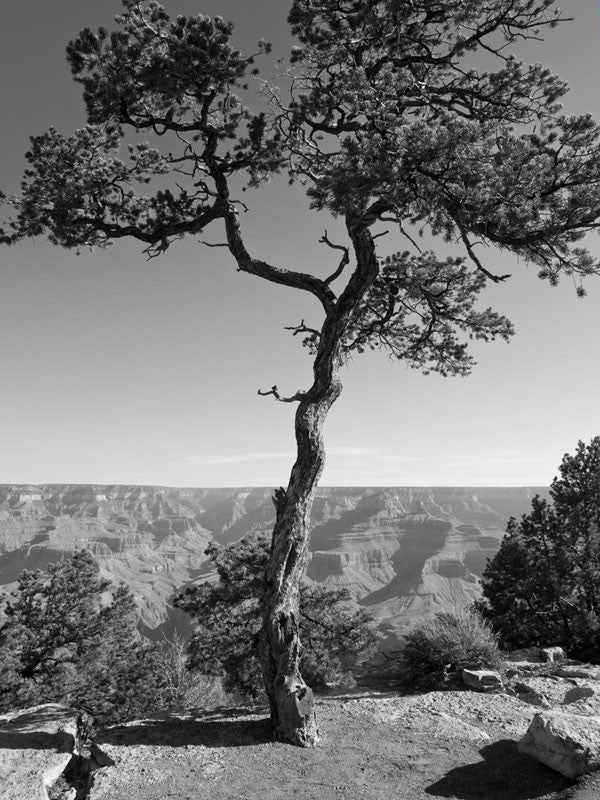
[537,655]
[482,680]
[553,654]
[36,745]
[46,751]
[531,654]
[567,743]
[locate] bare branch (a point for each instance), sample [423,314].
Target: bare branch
[344,261]
[242,204]
[302,328]
[476,261]
[275,392]
[379,235]
[156,249]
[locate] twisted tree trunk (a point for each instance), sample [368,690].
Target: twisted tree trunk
[291,700]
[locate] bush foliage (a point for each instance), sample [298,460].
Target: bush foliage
[63,641]
[335,637]
[436,649]
[187,689]
[543,586]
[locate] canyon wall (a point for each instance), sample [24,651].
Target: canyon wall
[402,553]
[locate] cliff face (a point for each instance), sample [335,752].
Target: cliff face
[401,552]
[146,537]
[406,553]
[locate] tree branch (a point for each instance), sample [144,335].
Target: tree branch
[275,392]
[302,328]
[475,259]
[343,263]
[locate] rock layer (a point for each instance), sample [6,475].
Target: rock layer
[401,552]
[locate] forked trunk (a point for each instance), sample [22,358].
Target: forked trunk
[291,700]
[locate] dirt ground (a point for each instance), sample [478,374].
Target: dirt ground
[374,746]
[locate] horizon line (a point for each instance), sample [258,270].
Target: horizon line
[4,484]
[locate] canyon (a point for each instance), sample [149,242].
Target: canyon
[402,553]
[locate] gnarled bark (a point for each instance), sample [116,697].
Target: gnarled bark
[291,700]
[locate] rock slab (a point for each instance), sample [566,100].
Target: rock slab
[578,693]
[36,745]
[567,743]
[532,655]
[528,694]
[482,680]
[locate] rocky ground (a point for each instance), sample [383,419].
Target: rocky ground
[375,745]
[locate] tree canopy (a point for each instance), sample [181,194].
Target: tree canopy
[411,114]
[543,585]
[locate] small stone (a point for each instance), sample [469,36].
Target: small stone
[482,680]
[578,693]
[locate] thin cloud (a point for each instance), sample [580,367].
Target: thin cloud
[371,453]
[489,460]
[400,459]
[351,451]
[247,458]
[238,458]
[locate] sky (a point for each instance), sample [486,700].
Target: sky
[116,369]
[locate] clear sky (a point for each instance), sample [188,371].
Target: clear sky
[119,370]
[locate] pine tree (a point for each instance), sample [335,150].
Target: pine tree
[61,641]
[335,637]
[543,585]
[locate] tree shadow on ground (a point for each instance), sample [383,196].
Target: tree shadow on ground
[36,740]
[504,774]
[226,729]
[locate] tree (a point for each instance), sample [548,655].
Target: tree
[543,585]
[61,643]
[389,123]
[335,637]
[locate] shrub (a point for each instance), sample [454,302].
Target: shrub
[436,649]
[187,689]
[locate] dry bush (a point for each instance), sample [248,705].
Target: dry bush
[188,689]
[434,651]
